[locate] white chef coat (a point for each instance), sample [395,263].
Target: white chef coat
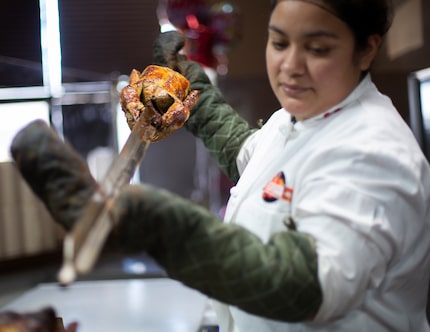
[355,180]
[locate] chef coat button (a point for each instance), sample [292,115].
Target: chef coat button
[290,223]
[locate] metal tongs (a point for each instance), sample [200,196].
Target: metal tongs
[84,243]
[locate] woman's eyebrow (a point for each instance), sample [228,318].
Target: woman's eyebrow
[312,34]
[277,30]
[321,33]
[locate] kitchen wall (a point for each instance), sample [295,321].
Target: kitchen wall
[26,228]
[394,64]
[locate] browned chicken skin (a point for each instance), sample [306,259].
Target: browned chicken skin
[43,320]
[162,96]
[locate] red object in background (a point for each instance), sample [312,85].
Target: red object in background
[211,28]
[199,45]
[178,10]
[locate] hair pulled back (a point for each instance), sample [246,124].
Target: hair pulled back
[364,17]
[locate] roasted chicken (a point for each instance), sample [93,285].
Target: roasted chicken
[162,96]
[43,320]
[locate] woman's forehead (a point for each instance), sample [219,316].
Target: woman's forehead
[306,16]
[320,3]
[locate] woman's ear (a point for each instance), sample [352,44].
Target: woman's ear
[369,53]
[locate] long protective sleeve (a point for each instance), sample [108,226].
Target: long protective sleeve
[277,280]
[213,120]
[54,171]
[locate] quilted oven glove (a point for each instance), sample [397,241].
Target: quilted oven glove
[277,280]
[212,119]
[54,171]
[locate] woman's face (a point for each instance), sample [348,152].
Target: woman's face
[311,60]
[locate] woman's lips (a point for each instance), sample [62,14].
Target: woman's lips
[292,89]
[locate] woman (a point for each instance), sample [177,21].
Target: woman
[327,225]
[336,165]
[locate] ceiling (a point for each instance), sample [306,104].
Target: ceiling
[98,37]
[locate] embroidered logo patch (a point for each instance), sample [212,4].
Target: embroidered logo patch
[277,189]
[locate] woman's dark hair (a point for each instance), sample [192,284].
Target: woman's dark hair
[364,17]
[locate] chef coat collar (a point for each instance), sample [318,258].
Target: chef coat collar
[354,95]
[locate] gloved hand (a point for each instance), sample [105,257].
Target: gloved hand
[54,171]
[212,119]
[277,280]
[167,48]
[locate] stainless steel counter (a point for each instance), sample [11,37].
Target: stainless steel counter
[136,305]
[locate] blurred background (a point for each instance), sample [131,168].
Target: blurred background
[96,46]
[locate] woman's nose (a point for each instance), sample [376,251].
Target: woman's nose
[293,62]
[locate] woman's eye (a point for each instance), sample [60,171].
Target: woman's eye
[279,45]
[319,51]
